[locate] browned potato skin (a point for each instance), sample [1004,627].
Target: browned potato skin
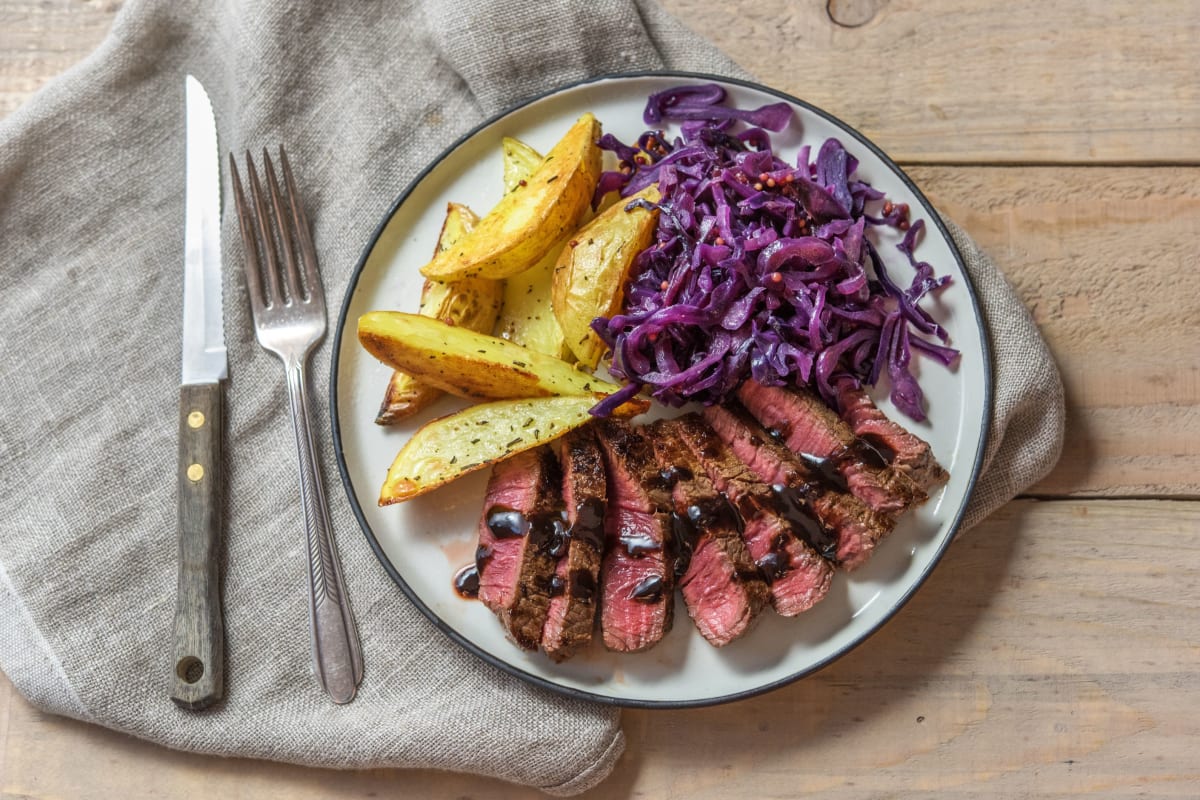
[471,364]
[472,303]
[526,316]
[527,222]
[450,447]
[591,273]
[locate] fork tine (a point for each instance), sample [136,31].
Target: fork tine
[303,233]
[290,328]
[291,272]
[249,242]
[270,263]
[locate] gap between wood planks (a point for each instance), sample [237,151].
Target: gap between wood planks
[1090,497]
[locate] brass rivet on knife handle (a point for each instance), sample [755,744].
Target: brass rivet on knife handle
[198,669]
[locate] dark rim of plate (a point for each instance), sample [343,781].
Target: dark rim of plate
[570,690]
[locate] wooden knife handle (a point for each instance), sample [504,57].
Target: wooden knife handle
[197,666]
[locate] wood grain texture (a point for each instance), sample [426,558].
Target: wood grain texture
[1054,651]
[1102,257]
[197,680]
[981,81]
[951,81]
[41,39]
[1042,658]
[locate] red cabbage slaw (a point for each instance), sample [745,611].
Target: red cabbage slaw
[760,268]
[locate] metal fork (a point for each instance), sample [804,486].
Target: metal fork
[289,321]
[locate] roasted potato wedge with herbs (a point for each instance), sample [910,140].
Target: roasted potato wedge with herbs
[591,272]
[527,314]
[472,303]
[520,161]
[471,364]
[450,447]
[526,223]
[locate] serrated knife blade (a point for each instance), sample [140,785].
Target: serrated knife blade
[203,331]
[197,675]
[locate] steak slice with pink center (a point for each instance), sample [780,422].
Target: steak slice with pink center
[818,435]
[796,574]
[575,585]
[718,579]
[848,530]
[905,451]
[522,524]
[637,579]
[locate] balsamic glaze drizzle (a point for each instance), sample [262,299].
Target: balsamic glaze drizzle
[466,582]
[649,590]
[826,469]
[790,504]
[549,530]
[637,544]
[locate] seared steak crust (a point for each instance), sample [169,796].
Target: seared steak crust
[818,435]
[906,451]
[797,575]
[847,530]
[523,523]
[747,502]
[718,579]
[575,586]
[637,575]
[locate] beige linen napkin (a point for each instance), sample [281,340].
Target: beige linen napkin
[1028,404]
[91,211]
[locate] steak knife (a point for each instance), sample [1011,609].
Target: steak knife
[197,678]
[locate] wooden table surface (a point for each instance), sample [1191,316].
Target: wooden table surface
[1056,649]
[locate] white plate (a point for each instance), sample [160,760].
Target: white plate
[423,542]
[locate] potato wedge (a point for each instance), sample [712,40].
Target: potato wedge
[520,162]
[472,303]
[470,364]
[527,222]
[453,446]
[527,314]
[591,272]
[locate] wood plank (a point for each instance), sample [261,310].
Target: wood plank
[1044,657]
[40,39]
[935,81]
[1102,257]
[955,81]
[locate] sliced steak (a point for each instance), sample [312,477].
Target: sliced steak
[637,579]
[797,575]
[818,435]
[718,579]
[905,451]
[522,525]
[574,587]
[843,528]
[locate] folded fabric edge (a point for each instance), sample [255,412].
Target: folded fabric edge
[27,659]
[1006,414]
[45,102]
[600,769]
[591,776]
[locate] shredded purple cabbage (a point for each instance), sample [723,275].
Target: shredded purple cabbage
[760,268]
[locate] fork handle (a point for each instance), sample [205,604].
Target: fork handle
[337,654]
[197,672]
